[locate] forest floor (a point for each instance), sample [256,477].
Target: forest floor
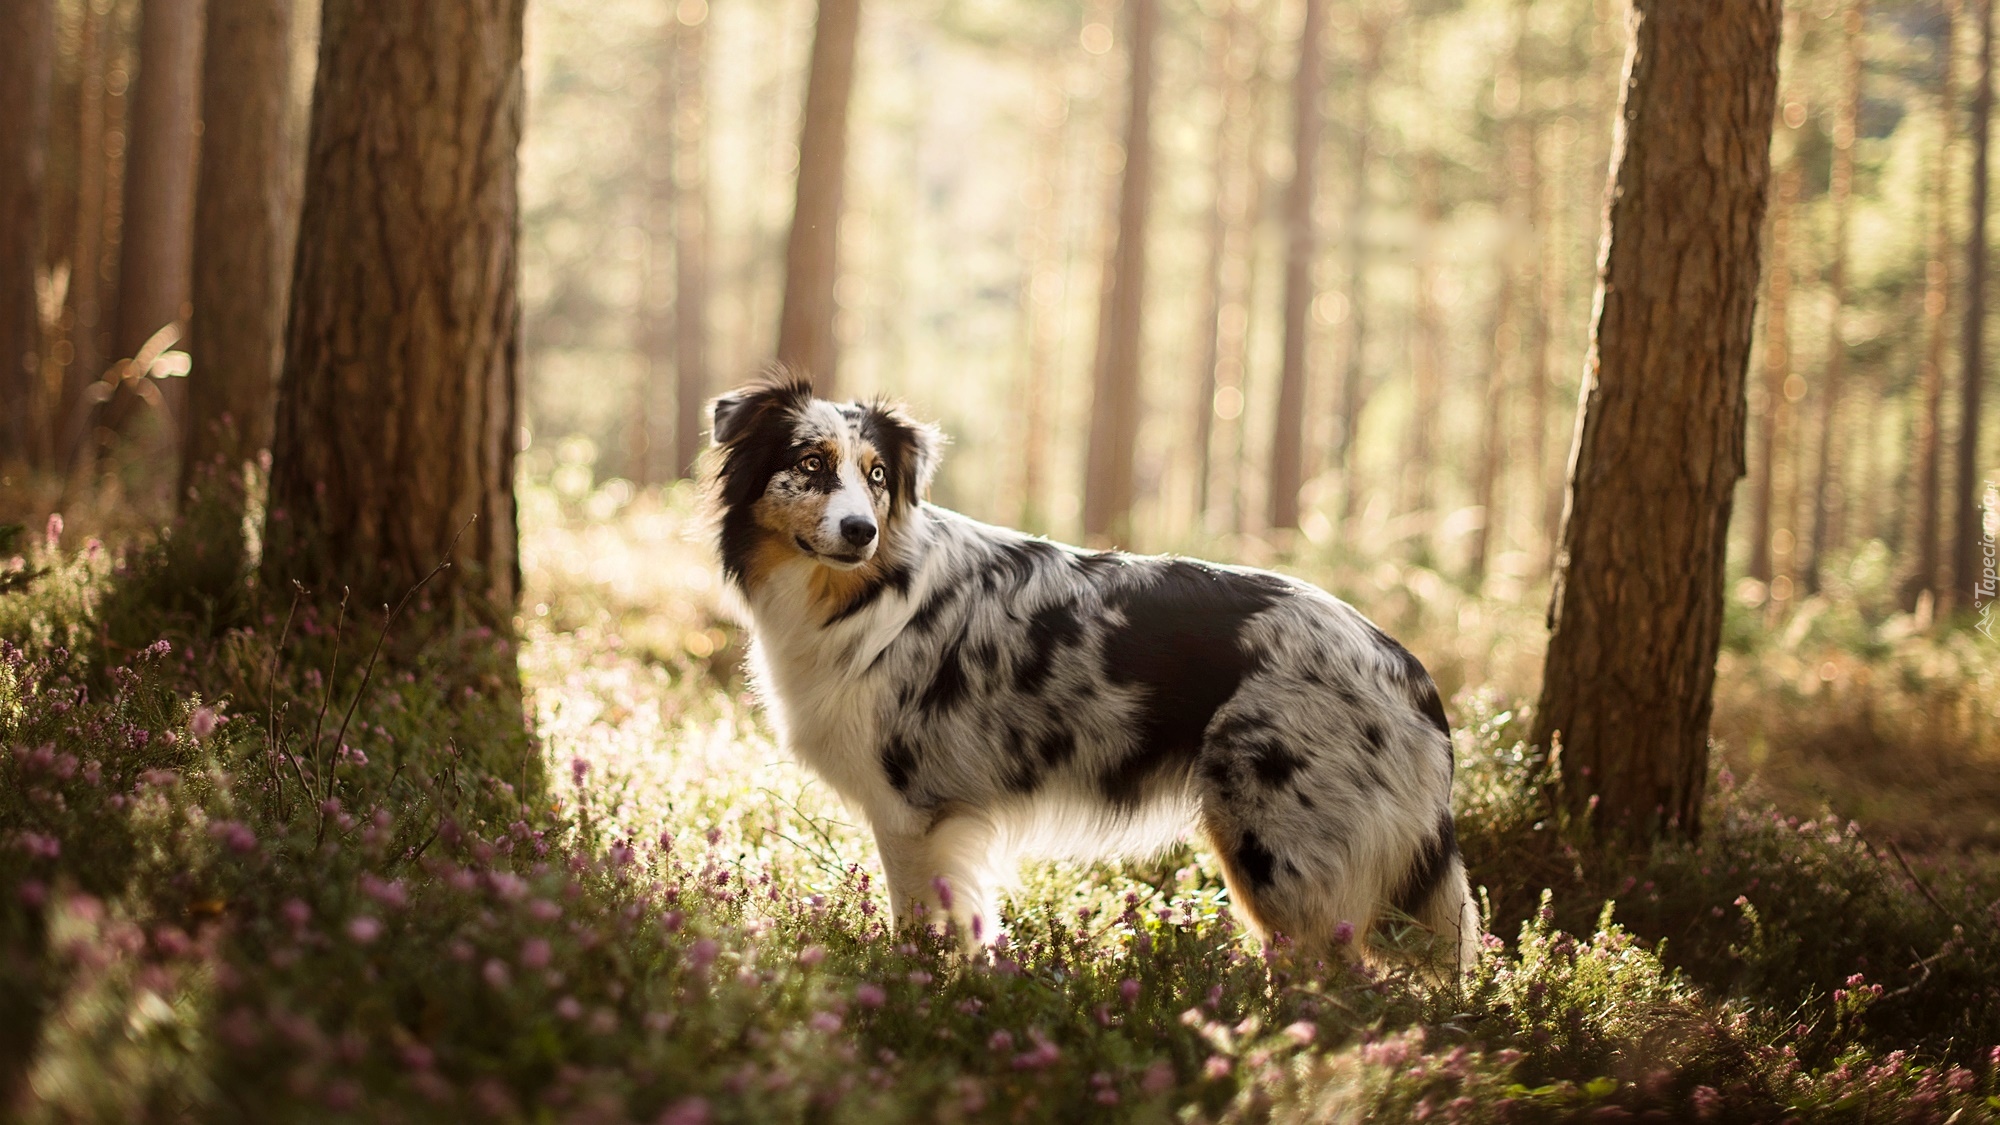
[639,909]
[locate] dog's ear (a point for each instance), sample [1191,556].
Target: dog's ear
[736,413]
[912,448]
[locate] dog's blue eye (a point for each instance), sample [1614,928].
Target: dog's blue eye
[811,465]
[877,475]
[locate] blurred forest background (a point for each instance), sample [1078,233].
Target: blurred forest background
[1425,361]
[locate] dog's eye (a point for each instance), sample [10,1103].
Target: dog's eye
[878,475]
[812,464]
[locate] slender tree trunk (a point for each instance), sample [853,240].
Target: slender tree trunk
[92,294]
[157,244]
[27,52]
[244,222]
[1922,556]
[1042,286]
[1827,493]
[396,414]
[1768,406]
[653,331]
[1353,390]
[1636,618]
[1426,347]
[690,234]
[1289,424]
[1114,409]
[805,325]
[1969,571]
[1222,180]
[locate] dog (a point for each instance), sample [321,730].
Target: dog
[981,695]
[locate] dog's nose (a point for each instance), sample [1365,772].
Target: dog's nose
[859,531]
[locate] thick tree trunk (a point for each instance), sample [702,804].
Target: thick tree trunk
[27,52]
[1636,613]
[1289,424]
[244,222]
[1925,531]
[1114,408]
[396,421]
[1968,565]
[89,254]
[805,325]
[1828,495]
[690,235]
[156,248]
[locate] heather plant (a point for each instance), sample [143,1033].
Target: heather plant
[224,897]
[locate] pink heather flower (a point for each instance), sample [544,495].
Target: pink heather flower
[1216,1067]
[535,954]
[53,535]
[1301,1032]
[568,1008]
[577,768]
[1128,989]
[1000,1042]
[942,886]
[812,955]
[39,846]
[1158,1079]
[495,972]
[671,921]
[542,910]
[416,1056]
[202,723]
[687,1111]
[869,995]
[1042,1054]
[295,913]
[919,977]
[389,893]
[364,929]
[702,954]
[32,893]
[824,1021]
[1707,1102]
[1343,933]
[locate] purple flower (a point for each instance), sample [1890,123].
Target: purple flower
[1343,933]
[824,1021]
[577,768]
[702,954]
[942,886]
[1042,1054]
[535,954]
[364,929]
[542,910]
[202,722]
[1000,1042]
[295,913]
[812,955]
[1128,989]
[869,995]
[687,1111]
[1707,1102]
[568,1008]
[1158,1079]
[495,972]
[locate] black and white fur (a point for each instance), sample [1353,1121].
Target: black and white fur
[980,694]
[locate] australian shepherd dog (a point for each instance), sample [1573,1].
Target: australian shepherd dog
[982,695]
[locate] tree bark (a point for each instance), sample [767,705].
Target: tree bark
[396,413]
[1222,180]
[1768,407]
[1636,612]
[96,171]
[805,325]
[1827,492]
[1353,390]
[27,52]
[1925,531]
[1968,566]
[1114,409]
[244,222]
[1289,424]
[156,248]
[690,234]
[1426,348]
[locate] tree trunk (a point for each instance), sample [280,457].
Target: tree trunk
[27,52]
[1921,566]
[1971,581]
[690,236]
[1042,284]
[396,414]
[1222,180]
[244,222]
[805,326]
[156,248]
[1827,492]
[1289,425]
[1426,348]
[1114,408]
[100,166]
[1769,406]
[1353,390]
[1636,612]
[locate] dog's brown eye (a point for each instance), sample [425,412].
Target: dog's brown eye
[811,465]
[878,475]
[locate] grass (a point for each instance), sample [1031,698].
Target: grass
[216,905]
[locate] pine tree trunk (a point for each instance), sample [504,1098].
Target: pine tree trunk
[1827,493]
[243,226]
[690,237]
[1922,558]
[1289,423]
[396,416]
[156,248]
[805,325]
[1222,179]
[92,298]
[1968,565]
[1426,349]
[1768,405]
[1042,285]
[1114,408]
[27,52]
[1636,613]
[1354,368]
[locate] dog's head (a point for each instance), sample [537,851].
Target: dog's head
[802,477]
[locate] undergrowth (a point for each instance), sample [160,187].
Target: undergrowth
[222,898]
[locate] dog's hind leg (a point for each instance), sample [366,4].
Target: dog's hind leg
[944,873]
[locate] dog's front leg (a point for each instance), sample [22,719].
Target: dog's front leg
[942,875]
